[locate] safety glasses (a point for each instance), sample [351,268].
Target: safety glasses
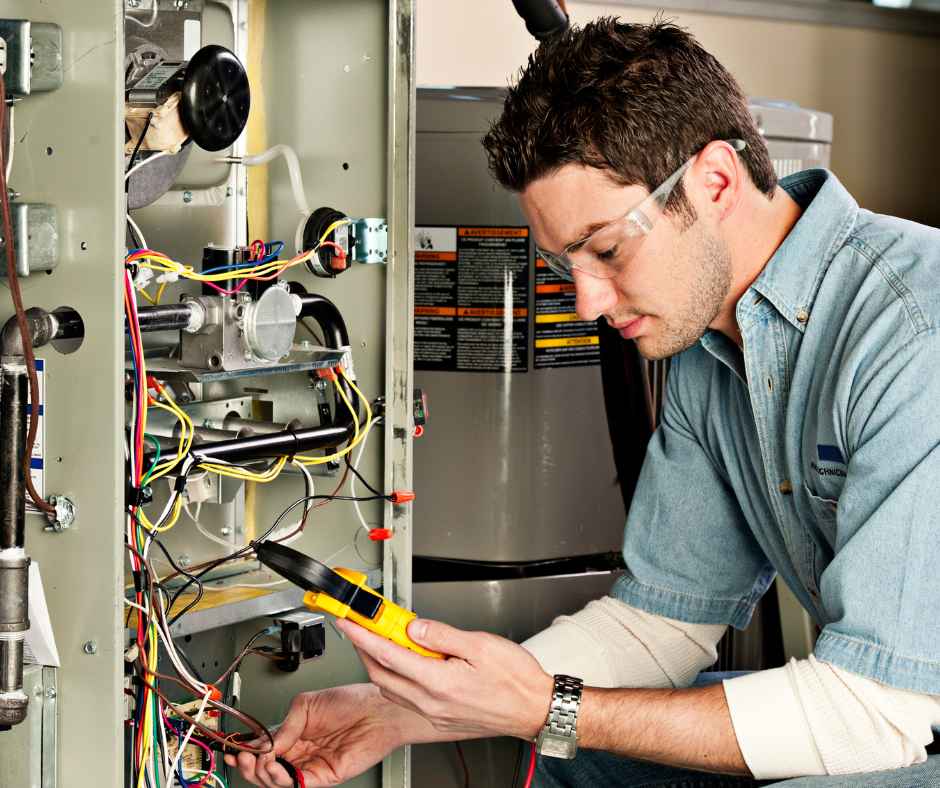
[606,251]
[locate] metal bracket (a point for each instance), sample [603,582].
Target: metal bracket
[371,241]
[35,237]
[33,56]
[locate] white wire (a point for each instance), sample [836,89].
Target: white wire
[352,482]
[145,162]
[11,147]
[286,529]
[166,750]
[296,183]
[199,527]
[213,775]
[256,585]
[140,235]
[192,728]
[153,16]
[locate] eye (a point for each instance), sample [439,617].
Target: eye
[608,254]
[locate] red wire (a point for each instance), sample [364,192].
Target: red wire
[531,773]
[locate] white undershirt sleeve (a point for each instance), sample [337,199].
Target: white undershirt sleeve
[612,644]
[812,718]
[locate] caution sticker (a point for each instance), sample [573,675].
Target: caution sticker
[562,339]
[471,299]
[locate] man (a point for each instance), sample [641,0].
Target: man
[800,437]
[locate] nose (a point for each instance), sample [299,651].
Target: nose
[593,296]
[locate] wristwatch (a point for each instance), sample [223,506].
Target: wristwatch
[559,736]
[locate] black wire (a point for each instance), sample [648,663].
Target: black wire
[140,141]
[361,478]
[192,578]
[463,763]
[515,772]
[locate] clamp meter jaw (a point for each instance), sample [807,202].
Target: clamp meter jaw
[342,593]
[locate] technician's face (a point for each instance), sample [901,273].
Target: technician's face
[672,287]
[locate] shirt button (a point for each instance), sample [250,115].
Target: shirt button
[785,487]
[802,315]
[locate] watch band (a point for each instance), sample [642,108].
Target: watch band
[558,737]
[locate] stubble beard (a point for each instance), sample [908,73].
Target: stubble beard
[706,265]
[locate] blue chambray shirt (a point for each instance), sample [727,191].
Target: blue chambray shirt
[812,453]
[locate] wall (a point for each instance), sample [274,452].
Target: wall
[878,85]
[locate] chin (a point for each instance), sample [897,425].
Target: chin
[657,349]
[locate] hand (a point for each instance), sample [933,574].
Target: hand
[488,686]
[332,735]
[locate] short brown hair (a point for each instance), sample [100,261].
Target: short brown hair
[635,100]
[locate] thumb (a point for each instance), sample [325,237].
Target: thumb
[293,726]
[441,637]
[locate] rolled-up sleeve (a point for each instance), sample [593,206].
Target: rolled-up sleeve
[689,552]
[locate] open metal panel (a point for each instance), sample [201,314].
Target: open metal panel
[338,87]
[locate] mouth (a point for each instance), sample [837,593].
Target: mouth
[629,329]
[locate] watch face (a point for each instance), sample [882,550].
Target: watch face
[557,746]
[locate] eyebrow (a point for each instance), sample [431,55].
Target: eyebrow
[589,230]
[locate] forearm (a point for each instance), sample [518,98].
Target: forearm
[689,728]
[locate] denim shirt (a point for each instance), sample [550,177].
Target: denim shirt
[814,452]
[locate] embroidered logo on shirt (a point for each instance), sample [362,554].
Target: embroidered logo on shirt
[828,454]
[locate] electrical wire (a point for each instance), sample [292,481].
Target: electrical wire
[531,773]
[149,23]
[140,141]
[356,475]
[25,336]
[11,146]
[463,764]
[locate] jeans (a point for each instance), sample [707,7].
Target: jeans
[594,769]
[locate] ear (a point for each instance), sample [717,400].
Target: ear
[722,173]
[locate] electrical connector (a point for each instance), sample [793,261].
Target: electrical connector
[402,496]
[380,534]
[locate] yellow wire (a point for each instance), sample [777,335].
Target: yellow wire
[359,434]
[186,434]
[159,295]
[240,473]
[157,261]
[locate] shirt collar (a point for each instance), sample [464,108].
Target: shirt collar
[793,274]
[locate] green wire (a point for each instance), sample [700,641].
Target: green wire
[156,445]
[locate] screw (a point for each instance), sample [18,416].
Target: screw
[184,561]
[363,343]
[51,693]
[346,69]
[225,530]
[187,196]
[134,3]
[321,385]
[229,191]
[90,647]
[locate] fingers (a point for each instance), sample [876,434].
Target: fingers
[443,638]
[392,656]
[392,686]
[292,727]
[261,770]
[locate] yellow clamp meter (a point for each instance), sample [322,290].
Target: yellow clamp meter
[342,593]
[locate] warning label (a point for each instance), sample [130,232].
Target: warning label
[471,299]
[562,339]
